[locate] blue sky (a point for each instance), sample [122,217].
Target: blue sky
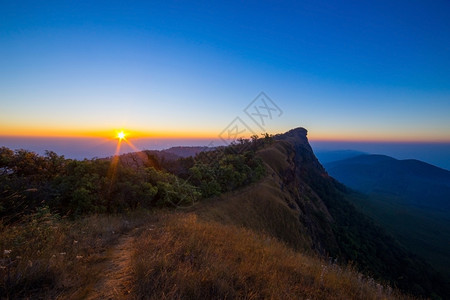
[344,70]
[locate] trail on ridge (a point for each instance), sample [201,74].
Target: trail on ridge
[116,279]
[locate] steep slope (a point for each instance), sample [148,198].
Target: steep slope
[300,204]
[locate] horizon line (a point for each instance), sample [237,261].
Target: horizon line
[173,136]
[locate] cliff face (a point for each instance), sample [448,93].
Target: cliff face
[285,203]
[300,204]
[304,155]
[310,208]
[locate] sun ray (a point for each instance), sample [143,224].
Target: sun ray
[122,136]
[112,172]
[138,152]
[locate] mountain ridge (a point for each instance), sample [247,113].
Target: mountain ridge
[299,203]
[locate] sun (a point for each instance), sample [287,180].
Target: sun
[121,135]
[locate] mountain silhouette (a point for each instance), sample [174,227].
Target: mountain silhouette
[410,181]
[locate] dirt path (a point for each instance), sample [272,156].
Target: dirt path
[115,282]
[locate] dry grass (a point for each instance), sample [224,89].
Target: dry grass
[192,259]
[177,257]
[44,257]
[262,208]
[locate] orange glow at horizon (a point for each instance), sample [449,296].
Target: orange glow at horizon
[211,134]
[108,134]
[121,136]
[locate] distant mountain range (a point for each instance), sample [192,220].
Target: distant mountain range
[327,156]
[410,182]
[409,198]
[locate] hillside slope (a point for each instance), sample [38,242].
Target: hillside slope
[186,257]
[301,205]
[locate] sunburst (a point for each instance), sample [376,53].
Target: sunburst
[121,135]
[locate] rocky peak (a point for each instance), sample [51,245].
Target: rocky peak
[304,154]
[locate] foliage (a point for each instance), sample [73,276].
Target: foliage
[217,172]
[72,187]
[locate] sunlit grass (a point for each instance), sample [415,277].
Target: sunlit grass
[193,259]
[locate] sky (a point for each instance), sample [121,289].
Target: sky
[346,71]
